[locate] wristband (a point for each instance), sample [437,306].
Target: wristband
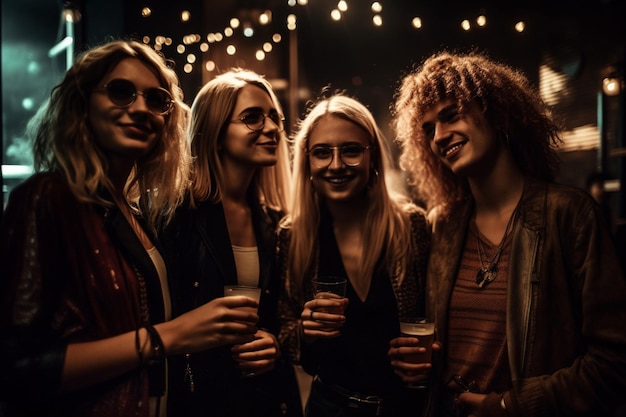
[156,344]
[138,347]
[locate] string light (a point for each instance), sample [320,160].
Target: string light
[265,17]
[611,85]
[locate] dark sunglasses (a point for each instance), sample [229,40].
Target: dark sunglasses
[123,93]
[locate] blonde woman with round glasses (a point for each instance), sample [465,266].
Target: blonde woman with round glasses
[346,220]
[225,235]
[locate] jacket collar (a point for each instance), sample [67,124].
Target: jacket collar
[128,242]
[210,223]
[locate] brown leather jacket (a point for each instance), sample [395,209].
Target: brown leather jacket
[566,308]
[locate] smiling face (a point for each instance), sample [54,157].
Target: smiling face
[125,133]
[338,181]
[462,141]
[242,146]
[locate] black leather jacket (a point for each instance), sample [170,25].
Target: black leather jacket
[199,247]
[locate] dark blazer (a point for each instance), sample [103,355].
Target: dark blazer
[206,262]
[199,243]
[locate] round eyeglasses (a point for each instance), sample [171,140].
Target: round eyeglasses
[255,120]
[123,93]
[321,156]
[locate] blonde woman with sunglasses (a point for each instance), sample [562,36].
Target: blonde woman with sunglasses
[85,305]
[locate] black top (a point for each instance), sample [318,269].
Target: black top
[357,360]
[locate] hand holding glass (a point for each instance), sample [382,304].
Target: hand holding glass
[250,292]
[330,287]
[424,330]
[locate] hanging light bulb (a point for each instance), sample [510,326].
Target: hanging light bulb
[611,85]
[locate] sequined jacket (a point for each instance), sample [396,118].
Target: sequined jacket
[71,272]
[566,304]
[408,292]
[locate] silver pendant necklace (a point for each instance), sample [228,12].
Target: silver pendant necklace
[487,274]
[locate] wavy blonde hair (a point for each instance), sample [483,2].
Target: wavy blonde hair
[511,105]
[211,112]
[387,227]
[63,141]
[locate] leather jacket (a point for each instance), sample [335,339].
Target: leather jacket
[198,245]
[566,303]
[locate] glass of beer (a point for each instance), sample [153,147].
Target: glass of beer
[423,329]
[250,292]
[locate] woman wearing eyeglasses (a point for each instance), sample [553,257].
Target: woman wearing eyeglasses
[225,235]
[347,220]
[85,299]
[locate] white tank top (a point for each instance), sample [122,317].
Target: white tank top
[247,265]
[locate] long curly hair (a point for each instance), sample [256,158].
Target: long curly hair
[63,141]
[211,111]
[511,105]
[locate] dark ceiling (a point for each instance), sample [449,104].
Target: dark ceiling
[351,54]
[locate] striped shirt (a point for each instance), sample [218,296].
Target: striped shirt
[477,320]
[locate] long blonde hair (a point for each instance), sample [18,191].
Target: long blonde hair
[387,228]
[211,111]
[63,142]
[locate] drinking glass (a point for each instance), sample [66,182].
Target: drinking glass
[424,330]
[250,292]
[330,287]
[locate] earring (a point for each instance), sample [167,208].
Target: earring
[503,136]
[311,178]
[373,177]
